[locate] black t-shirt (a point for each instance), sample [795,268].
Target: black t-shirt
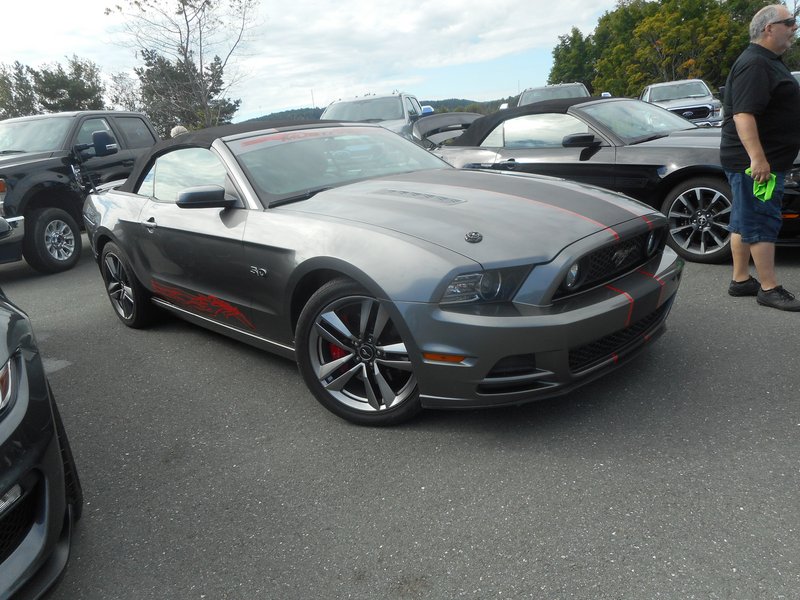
[760,84]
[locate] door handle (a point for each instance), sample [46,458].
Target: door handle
[128,162]
[509,164]
[150,223]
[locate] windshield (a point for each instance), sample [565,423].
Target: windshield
[291,164]
[366,110]
[36,135]
[689,89]
[634,121]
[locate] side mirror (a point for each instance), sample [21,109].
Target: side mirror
[427,109]
[503,106]
[5,228]
[104,143]
[721,92]
[205,196]
[580,140]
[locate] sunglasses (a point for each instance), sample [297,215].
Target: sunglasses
[790,22]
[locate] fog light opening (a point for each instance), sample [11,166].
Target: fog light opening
[9,498]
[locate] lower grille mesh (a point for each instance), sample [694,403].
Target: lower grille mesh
[604,348]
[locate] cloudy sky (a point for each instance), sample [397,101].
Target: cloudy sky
[310,52]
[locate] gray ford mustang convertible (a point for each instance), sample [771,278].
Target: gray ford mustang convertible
[396,281]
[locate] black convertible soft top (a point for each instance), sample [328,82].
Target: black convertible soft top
[480,128]
[204,138]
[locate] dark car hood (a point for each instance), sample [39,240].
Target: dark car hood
[520,217]
[701,137]
[25,158]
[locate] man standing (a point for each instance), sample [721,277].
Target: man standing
[761,132]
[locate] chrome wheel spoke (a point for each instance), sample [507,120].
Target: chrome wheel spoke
[358,356]
[326,369]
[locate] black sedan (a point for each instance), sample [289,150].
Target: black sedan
[40,493]
[396,281]
[621,144]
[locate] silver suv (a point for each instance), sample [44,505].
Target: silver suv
[551,92]
[689,98]
[396,112]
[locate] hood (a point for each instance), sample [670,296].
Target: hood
[676,103]
[521,218]
[13,160]
[701,137]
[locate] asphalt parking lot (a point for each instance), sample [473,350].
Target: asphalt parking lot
[210,472]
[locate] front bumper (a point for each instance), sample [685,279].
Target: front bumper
[11,245]
[522,353]
[36,528]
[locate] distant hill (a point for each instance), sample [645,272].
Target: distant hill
[449,105]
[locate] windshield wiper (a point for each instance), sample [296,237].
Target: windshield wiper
[13,151]
[298,197]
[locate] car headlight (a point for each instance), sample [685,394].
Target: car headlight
[574,276]
[653,242]
[494,285]
[7,382]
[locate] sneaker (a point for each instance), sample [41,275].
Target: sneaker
[778,298]
[748,287]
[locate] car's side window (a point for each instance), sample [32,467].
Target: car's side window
[545,130]
[88,127]
[180,169]
[413,107]
[136,131]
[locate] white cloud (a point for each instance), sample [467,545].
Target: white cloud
[331,49]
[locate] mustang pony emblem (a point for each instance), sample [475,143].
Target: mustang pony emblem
[201,303]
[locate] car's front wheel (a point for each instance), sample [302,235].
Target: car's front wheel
[699,211]
[130,299]
[352,356]
[53,242]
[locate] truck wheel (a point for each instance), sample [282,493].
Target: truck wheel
[52,240]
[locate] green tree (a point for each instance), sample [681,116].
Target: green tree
[185,46]
[573,59]
[17,96]
[124,93]
[77,88]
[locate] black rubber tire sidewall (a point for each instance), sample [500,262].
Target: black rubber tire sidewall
[144,312]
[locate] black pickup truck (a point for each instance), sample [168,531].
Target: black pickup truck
[47,164]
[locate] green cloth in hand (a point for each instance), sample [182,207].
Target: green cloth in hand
[763,191]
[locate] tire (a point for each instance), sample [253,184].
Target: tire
[352,357]
[129,298]
[53,242]
[73,489]
[698,210]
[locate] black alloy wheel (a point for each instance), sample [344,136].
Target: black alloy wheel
[353,358]
[130,299]
[699,211]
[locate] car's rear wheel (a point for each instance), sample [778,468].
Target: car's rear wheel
[53,242]
[130,299]
[699,211]
[352,356]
